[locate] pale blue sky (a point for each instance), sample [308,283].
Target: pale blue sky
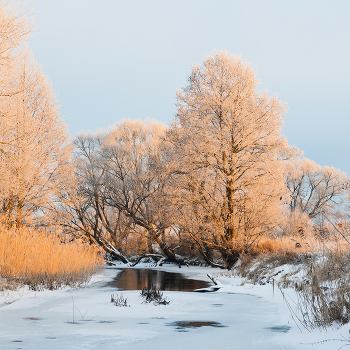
[112,59]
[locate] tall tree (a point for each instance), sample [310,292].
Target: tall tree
[227,160]
[15,29]
[33,139]
[35,144]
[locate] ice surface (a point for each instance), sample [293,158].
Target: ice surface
[254,316]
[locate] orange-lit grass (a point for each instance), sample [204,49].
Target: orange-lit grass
[324,283]
[40,260]
[271,252]
[296,246]
[280,246]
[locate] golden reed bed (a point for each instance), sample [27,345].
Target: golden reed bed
[40,260]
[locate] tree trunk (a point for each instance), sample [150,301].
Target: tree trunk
[229,224]
[230,257]
[114,253]
[165,249]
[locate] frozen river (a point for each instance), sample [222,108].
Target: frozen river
[44,320]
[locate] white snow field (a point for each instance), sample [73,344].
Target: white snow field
[254,318]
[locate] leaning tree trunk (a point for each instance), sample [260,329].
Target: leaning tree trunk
[230,257]
[96,238]
[205,252]
[170,255]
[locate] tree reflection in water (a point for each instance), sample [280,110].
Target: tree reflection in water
[136,279]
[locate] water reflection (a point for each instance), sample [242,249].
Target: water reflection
[194,324]
[136,279]
[279,329]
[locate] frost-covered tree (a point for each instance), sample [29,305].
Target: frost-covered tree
[35,144]
[15,29]
[133,153]
[227,159]
[313,189]
[120,178]
[83,209]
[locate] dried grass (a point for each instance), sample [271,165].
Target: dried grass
[294,245]
[39,259]
[270,252]
[324,292]
[6,285]
[119,300]
[320,276]
[153,295]
[275,251]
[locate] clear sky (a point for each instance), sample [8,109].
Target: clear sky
[112,59]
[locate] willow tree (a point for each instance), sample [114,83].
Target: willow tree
[119,191]
[227,158]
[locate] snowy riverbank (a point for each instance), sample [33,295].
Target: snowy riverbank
[254,316]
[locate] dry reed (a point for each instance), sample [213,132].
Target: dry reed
[320,275]
[324,292]
[39,259]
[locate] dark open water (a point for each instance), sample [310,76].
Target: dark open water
[136,279]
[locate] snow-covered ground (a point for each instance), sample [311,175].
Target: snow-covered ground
[254,317]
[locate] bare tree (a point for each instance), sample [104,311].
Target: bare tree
[121,179]
[227,160]
[313,189]
[82,208]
